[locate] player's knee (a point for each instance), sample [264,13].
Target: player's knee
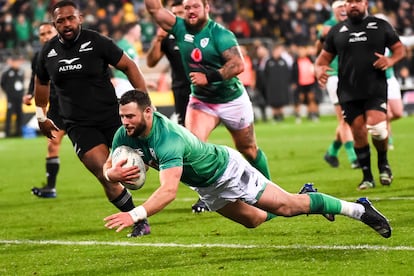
[379,131]
[252,223]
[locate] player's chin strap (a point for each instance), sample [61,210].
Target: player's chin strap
[138,213]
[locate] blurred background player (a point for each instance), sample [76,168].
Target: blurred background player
[343,133]
[128,43]
[12,82]
[46,32]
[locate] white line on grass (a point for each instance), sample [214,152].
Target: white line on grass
[193,199]
[241,246]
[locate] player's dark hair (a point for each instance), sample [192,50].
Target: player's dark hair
[141,98]
[128,26]
[177,3]
[64,3]
[45,23]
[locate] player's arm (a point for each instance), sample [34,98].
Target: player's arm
[162,16]
[132,71]
[233,66]
[234,63]
[322,66]
[155,53]
[384,62]
[166,193]
[42,91]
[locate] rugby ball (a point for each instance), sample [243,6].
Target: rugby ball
[133,159]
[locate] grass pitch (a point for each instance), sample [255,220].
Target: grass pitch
[66,236]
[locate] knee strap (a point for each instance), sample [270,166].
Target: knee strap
[378,131]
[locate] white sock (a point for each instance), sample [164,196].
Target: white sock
[351,209]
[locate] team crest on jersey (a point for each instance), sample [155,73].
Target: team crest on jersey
[196,55]
[372,25]
[204,42]
[189,38]
[83,47]
[52,53]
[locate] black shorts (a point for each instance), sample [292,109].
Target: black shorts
[353,109]
[305,90]
[53,114]
[84,138]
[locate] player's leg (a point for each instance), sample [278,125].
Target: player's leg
[238,118]
[354,114]
[395,107]
[277,201]
[52,158]
[200,119]
[377,128]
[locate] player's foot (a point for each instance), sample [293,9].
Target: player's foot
[366,184]
[386,175]
[355,165]
[139,229]
[374,219]
[309,188]
[44,192]
[331,160]
[199,207]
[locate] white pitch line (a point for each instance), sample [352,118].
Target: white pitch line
[237,246]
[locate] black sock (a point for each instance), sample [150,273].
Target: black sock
[52,169]
[382,159]
[124,201]
[364,159]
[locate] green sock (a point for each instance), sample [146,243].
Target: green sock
[334,148]
[350,152]
[324,204]
[270,216]
[260,163]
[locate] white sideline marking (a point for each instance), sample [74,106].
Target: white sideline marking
[194,199]
[240,246]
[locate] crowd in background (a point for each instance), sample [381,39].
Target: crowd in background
[290,23]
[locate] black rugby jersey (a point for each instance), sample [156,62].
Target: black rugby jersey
[81,77]
[356,45]
[172,52]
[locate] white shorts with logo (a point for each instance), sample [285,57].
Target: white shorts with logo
[332,88]
[239,181]
[394,89]
[236,114]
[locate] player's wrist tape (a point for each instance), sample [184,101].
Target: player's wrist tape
[138,213]
[40,115]
[213,76]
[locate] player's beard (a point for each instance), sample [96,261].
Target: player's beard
[356,17]
[139,129]
[198,25]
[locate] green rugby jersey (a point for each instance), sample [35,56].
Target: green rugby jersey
[201,51]
[171,145]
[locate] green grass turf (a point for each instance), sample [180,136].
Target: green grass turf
[66,236]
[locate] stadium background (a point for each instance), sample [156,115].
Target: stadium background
[254,22]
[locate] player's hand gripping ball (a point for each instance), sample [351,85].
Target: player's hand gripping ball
[133,159]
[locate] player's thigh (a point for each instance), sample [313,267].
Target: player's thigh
[276,200]
[200,122]
[243,213]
